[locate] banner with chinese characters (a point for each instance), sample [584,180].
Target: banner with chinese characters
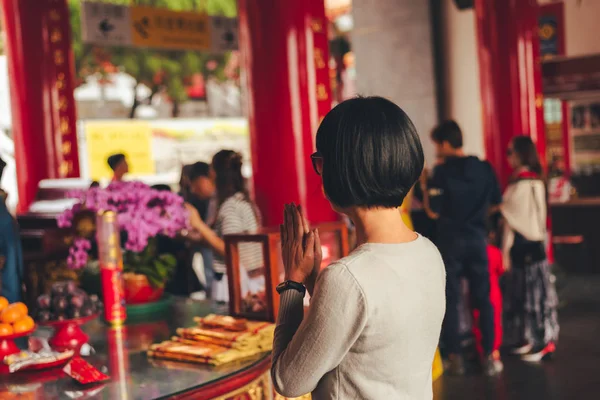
[62,110]
[321,57]
[159,28]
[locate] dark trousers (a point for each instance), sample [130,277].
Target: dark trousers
[467,257]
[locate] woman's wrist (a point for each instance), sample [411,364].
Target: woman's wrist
[295,277]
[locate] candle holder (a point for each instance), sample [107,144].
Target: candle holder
[68,334]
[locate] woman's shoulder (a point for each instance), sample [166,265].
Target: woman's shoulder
[338,277]
[235,203]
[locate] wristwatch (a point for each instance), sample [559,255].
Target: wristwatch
[283,286]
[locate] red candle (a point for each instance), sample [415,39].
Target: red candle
[111,267]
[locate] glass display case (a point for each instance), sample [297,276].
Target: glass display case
[255,267]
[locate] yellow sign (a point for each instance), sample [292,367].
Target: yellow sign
[162,28]
[132,138]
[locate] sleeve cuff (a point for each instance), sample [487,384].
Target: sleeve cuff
[291,307]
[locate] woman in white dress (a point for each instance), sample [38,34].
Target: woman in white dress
[531,322]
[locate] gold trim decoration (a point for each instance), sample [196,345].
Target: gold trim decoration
[316,25]
[54,15]
[319,59]
[254,390]
[322,94]
[60,48]
[64,125]
[56,36]
[66,147]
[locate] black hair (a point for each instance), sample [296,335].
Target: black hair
[371,152]
[448,131]
[229,179]
[115,159]
[525,149]
[161,187]
[2,166]
[197,170]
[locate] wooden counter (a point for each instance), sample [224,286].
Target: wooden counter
[576,234]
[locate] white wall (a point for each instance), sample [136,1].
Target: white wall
[582,28]
[461,75]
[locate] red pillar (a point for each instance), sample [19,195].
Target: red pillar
[284,55]
[511,80]
[38,49]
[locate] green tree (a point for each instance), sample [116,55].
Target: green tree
[157,69]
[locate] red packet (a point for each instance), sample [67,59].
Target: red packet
[83,372]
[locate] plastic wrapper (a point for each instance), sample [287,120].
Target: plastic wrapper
[84,372]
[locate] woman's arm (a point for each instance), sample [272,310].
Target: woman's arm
[306,348]
[208,235]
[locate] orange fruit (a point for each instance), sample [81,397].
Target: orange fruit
[6,329]
[3,303]
[12,313]
[23,325]
[22,308]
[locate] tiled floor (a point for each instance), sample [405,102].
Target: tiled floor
[574,373]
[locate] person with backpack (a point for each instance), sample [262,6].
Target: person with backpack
[460,196]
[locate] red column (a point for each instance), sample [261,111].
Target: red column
[38,49]
[281,44]
[511,80]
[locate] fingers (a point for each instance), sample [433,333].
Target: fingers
[298,230]
[289,224]
[310,245]
[305,226]
[282,233]
[318,248]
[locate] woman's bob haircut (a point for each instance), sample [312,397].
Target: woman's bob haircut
[371,153]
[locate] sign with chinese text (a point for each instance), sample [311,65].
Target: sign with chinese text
[105,24]
[134,139]
[158,28]
[162,28]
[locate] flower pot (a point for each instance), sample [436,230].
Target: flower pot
[138,289]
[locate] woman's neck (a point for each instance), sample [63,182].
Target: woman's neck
[380,225]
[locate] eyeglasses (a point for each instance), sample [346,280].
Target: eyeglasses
[317,162]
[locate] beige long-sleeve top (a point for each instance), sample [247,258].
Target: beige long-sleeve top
[371,330]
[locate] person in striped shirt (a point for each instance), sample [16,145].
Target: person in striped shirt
[236,214]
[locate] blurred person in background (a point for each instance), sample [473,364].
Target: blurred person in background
[531,320]
[197,187]
[460,196]
[236,214]
[11,256]
[118,164]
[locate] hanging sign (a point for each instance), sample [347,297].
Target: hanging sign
[166,29]
[158,28]
[224,33]
[105,24]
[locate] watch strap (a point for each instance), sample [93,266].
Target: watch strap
[282,287]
